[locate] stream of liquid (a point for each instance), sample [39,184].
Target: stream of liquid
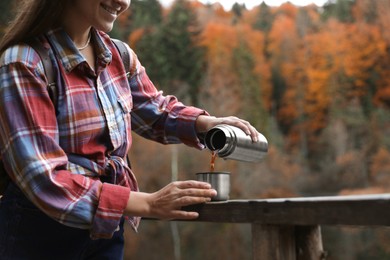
[212,162]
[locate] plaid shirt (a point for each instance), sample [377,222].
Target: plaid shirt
[58,160]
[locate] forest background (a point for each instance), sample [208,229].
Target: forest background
[314,80]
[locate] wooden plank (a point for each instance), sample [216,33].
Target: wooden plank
[273,242]
[370,210]
[309,243]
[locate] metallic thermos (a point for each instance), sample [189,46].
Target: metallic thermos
[231,142]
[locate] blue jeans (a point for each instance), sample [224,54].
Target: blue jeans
[27,233]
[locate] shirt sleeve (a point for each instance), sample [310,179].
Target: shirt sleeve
[160,117]
[30,150]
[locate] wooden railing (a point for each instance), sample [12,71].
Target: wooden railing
[290,228]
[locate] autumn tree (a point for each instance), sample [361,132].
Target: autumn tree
[253,80]
[237,10]
[283,44]
[375,13]
[366,11]
[339,9]
[220,89]
[170,53]
[264,19]
[141,14]
[183,58]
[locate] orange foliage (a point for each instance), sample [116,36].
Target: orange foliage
[256,44]
[346,159]
[365,48]
[380,167]
[220,12]
[250,16]
[136,36]
[360,9]
[288,9]
[382,96]
[281,36]
[354,49]
[195,4]
[318,66]
[382,9]
[220,40]
[289,55]
[313,13]
[288,112]
[363,8]
[311,64]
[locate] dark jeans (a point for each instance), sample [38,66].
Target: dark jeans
[27,233]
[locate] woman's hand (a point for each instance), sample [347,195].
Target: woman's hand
[204,123]
[167,203]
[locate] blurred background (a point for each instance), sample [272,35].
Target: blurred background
[314,79]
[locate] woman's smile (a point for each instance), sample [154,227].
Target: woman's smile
[110,10]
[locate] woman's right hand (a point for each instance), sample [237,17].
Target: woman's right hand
[167,203]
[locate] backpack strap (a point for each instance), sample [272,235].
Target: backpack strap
[52,87]
[124,55]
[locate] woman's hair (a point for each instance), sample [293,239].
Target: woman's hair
[33,17]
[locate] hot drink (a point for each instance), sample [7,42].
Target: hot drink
[212,162]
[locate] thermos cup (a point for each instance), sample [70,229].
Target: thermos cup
[220,181]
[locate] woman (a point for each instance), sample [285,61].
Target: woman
[70,186]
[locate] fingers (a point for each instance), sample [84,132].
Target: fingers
[243,125]
[184,215]
[177,213]
[192,192]
[204,123]
[167,202]
[192,184]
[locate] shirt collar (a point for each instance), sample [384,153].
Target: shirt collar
[68,54]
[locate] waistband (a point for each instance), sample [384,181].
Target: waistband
[115,170]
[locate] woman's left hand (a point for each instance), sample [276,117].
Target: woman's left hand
[204,123]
